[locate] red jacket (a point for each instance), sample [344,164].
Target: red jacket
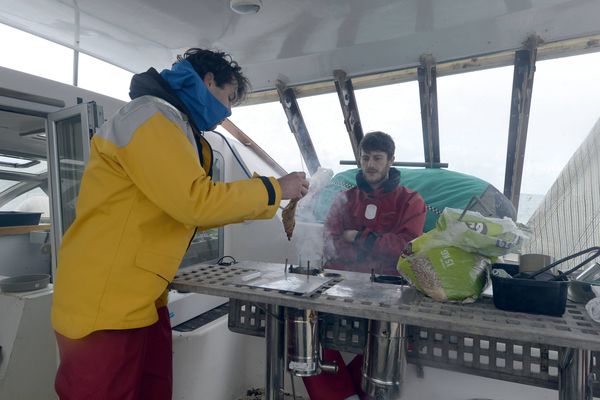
[387,218]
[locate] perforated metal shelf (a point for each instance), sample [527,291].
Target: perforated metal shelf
[574,329]
[512,360]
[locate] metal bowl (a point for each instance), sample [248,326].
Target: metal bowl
[24,283]
[580,288]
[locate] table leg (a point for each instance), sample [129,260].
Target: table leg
[275,352]
[574,381]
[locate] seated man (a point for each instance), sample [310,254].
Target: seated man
[366,229]
[368,226]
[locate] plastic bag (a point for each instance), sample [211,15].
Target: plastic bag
[446,273]
[449,263]
[487,236]
[307,207]
[593,306]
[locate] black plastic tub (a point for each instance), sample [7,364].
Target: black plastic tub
[390,279]
[535,296]
[16,218]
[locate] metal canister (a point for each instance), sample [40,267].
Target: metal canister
[384,360]
[302,342]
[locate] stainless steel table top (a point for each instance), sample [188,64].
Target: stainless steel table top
[354,295]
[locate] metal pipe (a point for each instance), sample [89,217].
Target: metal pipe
[76,40]
[330,368]
[404,164]
[15,94]
[275,340]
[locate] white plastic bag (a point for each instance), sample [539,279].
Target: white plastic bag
[593,306]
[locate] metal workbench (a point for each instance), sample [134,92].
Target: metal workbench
[574,331]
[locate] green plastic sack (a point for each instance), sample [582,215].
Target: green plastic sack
[487,236]
[446,273]
[449,263]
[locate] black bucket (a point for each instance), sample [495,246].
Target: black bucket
[548,297]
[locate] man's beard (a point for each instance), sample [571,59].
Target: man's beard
[375,180]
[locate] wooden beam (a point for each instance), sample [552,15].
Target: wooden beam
[17,230]
[248,142]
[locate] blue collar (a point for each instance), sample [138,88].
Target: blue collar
[206,110]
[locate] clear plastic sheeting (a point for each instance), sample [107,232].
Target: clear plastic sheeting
[568,219]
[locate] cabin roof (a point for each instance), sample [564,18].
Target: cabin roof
[303,41]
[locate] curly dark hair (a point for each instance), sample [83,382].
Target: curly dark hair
[378,141]
[223,67]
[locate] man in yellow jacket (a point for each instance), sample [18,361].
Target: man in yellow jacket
[146,189]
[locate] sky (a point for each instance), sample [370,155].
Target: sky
[473,112]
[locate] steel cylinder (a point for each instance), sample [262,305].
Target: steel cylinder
[302,332]
[384,360]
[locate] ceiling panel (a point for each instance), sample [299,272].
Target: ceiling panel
[302,41]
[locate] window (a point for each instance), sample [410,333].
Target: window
[395,110]
[35,200]
[474,111]
[5,184]
[24,52]
[271,133]
[325,123]
[564,108]
[94,74]
[23,193]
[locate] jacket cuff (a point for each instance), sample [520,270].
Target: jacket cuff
[270,190]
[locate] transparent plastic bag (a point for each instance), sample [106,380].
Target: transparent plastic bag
[593,306]
[307,207]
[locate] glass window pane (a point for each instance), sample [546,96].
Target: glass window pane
[267,125]
[325,123]
[474,111]
[5,184]
[94,75]
[70,151]
[24,52]
[20,165]
[395,110]
[564,108]
[35,200]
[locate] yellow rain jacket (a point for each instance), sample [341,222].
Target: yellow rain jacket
[142,195]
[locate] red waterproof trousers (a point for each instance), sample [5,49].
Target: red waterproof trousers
[129,364]
[338,386]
